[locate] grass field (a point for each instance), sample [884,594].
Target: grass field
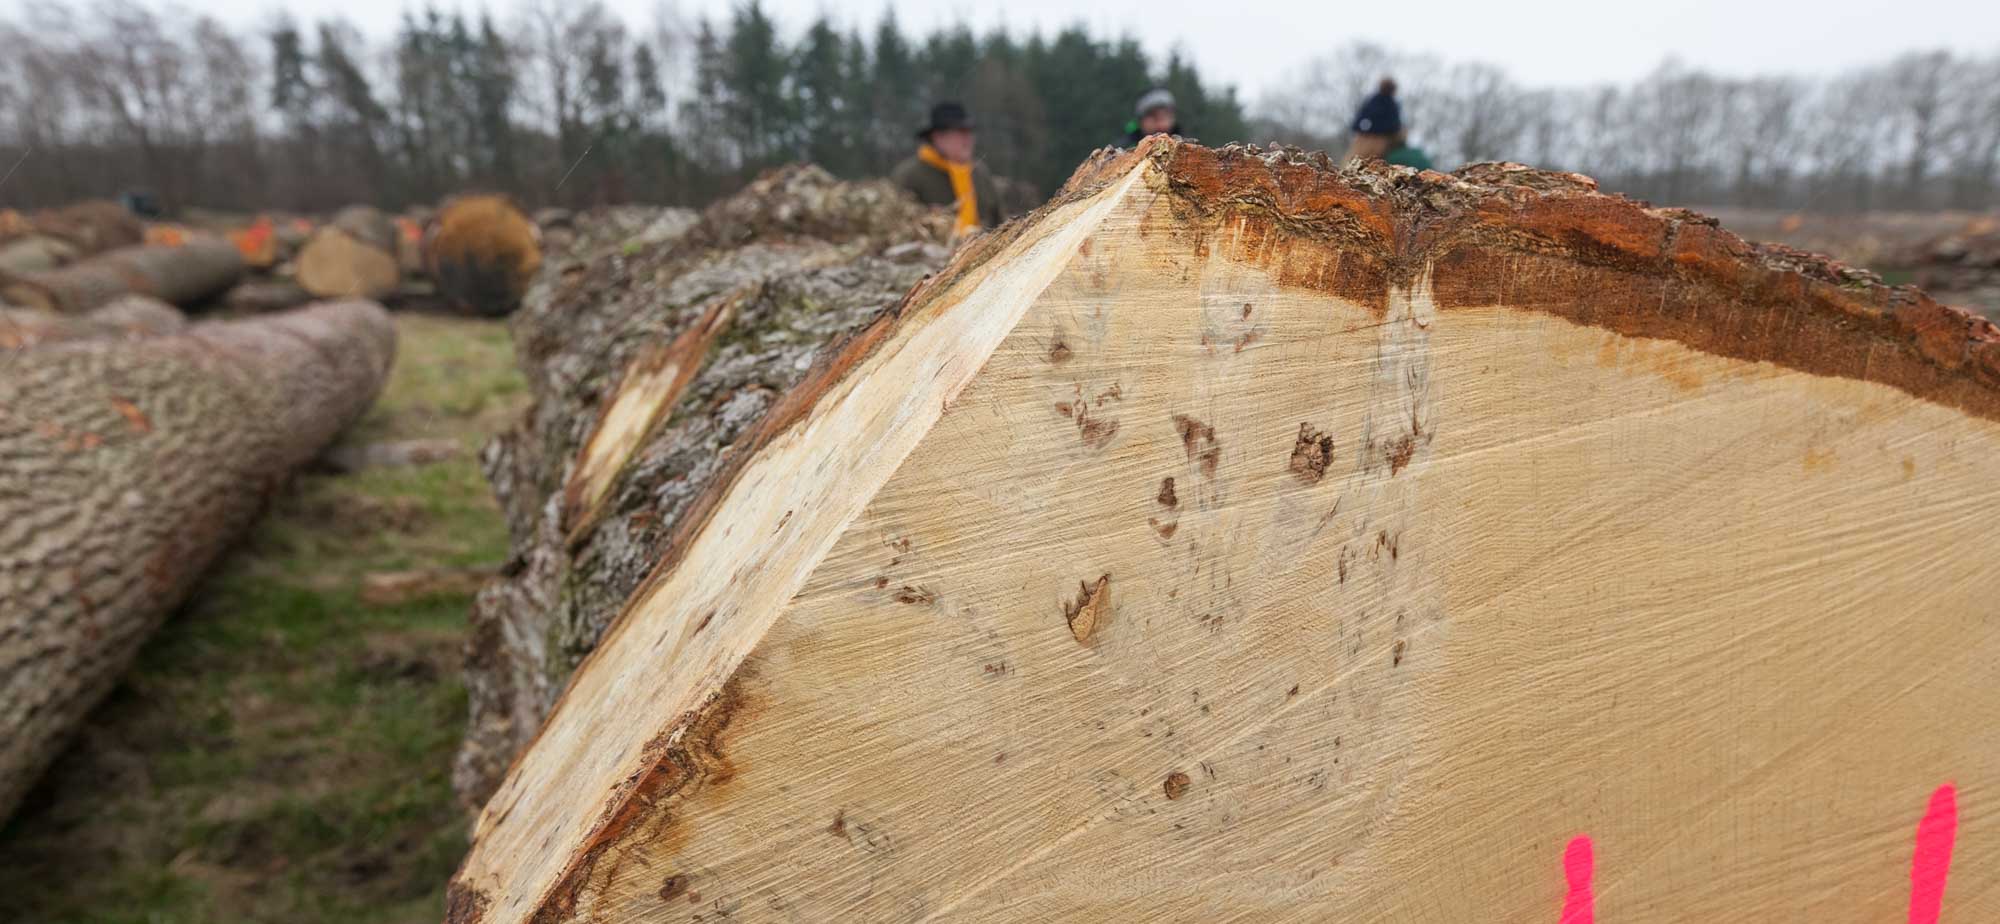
[282,751]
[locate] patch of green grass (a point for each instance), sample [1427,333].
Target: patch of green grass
[281,751]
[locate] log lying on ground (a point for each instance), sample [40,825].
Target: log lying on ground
[34,253]
[644,358]
[94,226]
[182,275]
[131,316]
[126,466]
[482,252]
[352,256]
[262,297]
[1243,538]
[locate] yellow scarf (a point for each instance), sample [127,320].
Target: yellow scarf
[961,186]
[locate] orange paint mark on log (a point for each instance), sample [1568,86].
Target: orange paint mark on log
[133,416]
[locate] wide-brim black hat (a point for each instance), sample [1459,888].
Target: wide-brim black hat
[946,116]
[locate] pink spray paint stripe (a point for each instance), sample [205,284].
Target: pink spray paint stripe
[1932,861]
[1579,863]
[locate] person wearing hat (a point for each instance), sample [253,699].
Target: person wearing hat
[1154,115]
[1377,124]
[942,172]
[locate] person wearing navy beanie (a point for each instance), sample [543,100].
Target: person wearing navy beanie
[1377,124]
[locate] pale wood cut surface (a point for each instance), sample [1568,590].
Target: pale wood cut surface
[1432,591]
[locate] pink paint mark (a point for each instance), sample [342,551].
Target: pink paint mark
[1932,860]
[1579,905]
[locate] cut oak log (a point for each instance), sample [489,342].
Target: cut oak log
[33,253]
[352,256]
[93,226]
[183,274]
[1242,538]
[132,316]
[263,297]
[646,352]
[126,467]
[482,252]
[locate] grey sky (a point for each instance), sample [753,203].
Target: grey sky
[1252,43]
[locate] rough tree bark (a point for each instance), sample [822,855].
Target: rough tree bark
[183,274]
[132,316]
[126,466]
[1243,538]
[646,353]
[352,256]
[482,252]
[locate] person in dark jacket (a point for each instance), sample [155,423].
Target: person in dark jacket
[942,172]
[1154,114]
[1377,124]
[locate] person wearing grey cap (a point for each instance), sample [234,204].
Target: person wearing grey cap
[1154,115]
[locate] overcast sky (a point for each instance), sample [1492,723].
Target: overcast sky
[1252,43]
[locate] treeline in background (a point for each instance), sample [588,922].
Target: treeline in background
[568,104]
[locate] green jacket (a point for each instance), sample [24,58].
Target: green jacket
[933,186]
[1409,156]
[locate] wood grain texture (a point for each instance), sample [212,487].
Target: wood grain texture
[126,467]
[1239,538]
[352,256]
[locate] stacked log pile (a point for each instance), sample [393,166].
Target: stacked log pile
[127,464]
[182,274]
[53,238]
[1965,264]
[1243,538]
[92,226]
[648,349]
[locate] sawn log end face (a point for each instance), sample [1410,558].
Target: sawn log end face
[1396,471]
